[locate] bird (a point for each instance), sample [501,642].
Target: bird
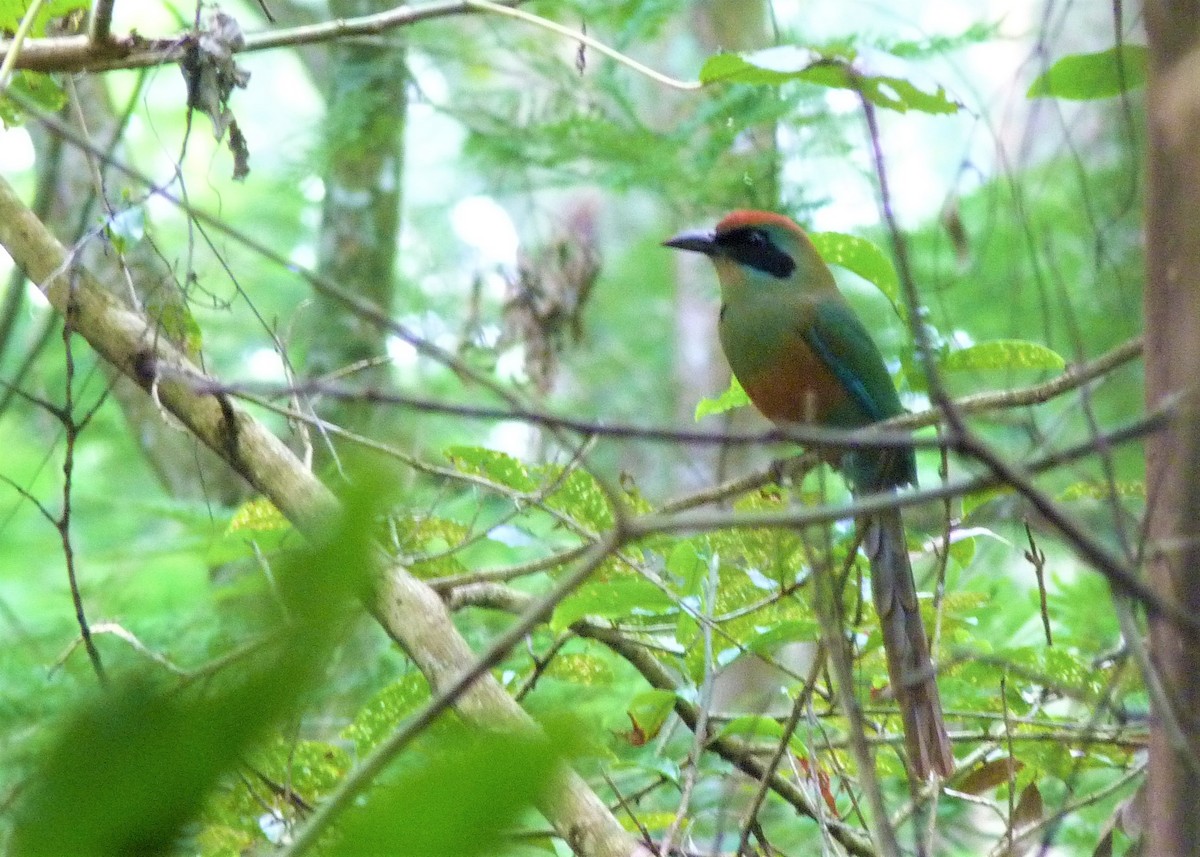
[803,356]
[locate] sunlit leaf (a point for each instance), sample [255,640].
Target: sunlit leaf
[258,515]
[497,466]
[777,65]
[861,256]
[1003,354]
[580,668]
[1095,490]
[1083,77]
[581,497]
[733,397]
[688,568]
[751,727]
[612,599]
[384,712]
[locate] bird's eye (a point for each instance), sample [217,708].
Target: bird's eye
[756,238]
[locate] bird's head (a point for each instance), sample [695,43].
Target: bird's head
[758,248]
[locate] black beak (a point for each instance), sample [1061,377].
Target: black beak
[700,241]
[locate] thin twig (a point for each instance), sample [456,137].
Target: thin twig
[585,39]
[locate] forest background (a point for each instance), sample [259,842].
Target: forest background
[401,334]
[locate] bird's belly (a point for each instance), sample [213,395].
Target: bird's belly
[796,387]
[798,396]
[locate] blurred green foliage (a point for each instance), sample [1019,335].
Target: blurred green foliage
[245,702]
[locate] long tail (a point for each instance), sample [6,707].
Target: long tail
[911,672]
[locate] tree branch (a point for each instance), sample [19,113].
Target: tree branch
[85,53]
[409,611]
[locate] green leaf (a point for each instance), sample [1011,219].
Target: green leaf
[383,713]
[786,631]
[497,466]
[789,63]
[976,499]
[580,668]
[862,257]
[896,93]
[579,496]
[778,65]
[258,515]
[461,803]
[688,567]
[939,44]
[752,726]
[611,599]
[1003,354]
[649,710]
[128,771]
[733,397]
[1135,489]
[1085,77]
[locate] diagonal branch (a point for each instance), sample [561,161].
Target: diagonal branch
[409,611]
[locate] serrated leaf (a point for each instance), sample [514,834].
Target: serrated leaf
[896,93]
[497,466]
[772,66]
[1085,77]
[258,515]
[862,257]
[611,599]
[733,397]
[1003,354]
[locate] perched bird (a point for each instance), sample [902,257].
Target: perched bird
[803,356]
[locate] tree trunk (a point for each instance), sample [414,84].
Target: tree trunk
[1172,304]
[364,168]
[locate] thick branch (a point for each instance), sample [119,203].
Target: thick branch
[82,53]
[410,611]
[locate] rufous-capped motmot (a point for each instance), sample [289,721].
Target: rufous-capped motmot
[803,356]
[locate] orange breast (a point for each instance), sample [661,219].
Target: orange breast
[796,388]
